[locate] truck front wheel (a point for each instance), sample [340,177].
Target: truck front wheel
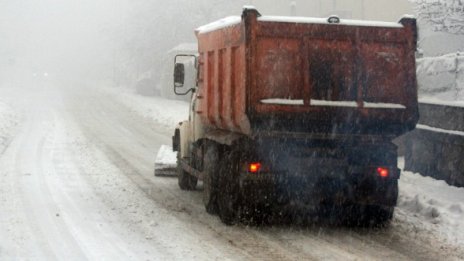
[185,180]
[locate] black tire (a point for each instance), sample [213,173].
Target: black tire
[368,216]
[380,216]
[185,180]
[210,179]
[228,197]
[255,213]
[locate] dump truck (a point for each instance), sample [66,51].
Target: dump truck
[294,111]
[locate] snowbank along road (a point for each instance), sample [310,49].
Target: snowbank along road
[76,182]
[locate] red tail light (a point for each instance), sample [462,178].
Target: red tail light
[254,167]
[383,172]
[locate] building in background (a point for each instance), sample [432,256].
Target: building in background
[383,10]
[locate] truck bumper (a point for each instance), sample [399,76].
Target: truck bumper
[349,187]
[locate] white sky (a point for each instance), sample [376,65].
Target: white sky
[52,34]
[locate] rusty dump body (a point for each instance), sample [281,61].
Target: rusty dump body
[269,74]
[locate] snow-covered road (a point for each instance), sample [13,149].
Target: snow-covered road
[76,183]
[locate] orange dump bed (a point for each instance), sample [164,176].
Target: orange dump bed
[263,74]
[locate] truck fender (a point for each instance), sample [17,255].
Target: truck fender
[181,139]
[224,137]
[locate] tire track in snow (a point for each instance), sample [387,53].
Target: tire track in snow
[173,200]
[87,218]
[38,195]
[244,240]
[267,243]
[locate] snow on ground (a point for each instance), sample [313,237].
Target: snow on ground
[62,196]
[140,220]
[423,201]
[434,203]
[162,111]
[8,119]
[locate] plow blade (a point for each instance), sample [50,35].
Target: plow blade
[166,162]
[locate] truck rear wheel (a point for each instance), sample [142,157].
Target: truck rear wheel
[185,180]
[210,179]
[379,216]
[228,192]
[368,216]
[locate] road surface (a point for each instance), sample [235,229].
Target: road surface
[76,183]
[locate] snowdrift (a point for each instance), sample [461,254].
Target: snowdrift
[441,77]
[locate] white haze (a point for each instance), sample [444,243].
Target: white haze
[76,164]
[68,40]
[117,42]
[112,42]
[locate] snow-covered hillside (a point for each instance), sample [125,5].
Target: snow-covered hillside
[442,77]
[441,26]
[441,42]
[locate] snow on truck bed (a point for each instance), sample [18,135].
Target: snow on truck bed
[314,20]
[233,20]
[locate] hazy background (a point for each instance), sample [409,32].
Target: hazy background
[121,42]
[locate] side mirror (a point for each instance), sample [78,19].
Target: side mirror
[179,75]
[185,73]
